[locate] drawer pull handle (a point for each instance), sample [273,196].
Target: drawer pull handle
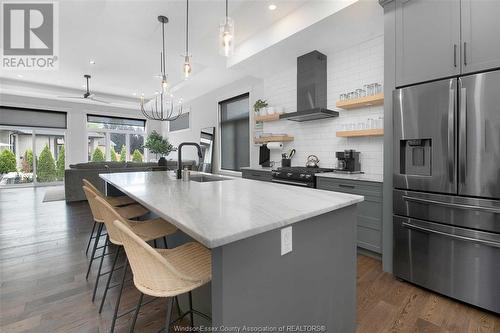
[346,186]
[452,205]
[457,237]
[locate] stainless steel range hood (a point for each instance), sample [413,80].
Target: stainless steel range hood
[311,89]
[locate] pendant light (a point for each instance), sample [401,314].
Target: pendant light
[163,107]
[226,35]
[187,58]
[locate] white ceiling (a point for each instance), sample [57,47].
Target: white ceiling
[124,39]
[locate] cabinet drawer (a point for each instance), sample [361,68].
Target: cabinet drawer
[369,239]
[369,219]
[257,175]
[350,186]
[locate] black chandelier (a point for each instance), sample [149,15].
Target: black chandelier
[163,106]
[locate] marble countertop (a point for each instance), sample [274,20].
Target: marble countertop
[221,212]
[354,176]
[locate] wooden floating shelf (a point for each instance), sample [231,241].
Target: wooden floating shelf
[268,117]
[273,138]
[366,132]
[361,102]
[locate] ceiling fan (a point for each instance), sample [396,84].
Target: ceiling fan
[87,95]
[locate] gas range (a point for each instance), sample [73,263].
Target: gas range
[299,176]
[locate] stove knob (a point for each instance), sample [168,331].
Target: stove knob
[308,176]
[289,174]
[302,175]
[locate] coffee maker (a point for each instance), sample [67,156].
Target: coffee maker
[348,161]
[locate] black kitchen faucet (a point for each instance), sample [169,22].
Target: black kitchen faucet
[179,156]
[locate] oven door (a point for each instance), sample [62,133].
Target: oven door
[457,262]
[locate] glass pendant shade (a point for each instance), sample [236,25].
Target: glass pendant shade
[226,37]
[187,68]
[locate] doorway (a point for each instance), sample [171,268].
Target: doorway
[31,156]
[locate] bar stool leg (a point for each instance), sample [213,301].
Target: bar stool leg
[191,316]
[96,242]
[106,244]
[90,238]
[136,313]
[165,241]
[117,306]
[170,306]
[117,253]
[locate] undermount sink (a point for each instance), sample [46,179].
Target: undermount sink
[206,179]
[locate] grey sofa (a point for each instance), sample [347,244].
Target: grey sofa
[77,172]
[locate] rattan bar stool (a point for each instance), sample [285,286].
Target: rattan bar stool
[166,273]
[113,201]
[145,230]
[128,212]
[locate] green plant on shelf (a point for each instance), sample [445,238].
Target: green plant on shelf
[259,104]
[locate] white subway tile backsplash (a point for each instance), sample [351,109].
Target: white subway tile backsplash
[348,70]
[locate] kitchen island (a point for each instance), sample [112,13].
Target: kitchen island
[241,221]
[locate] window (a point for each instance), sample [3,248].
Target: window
[180,123]
[235,133]
[115,139]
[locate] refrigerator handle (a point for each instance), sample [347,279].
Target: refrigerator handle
[463,134]
[451,139]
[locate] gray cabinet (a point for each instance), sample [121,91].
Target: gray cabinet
[427,40]
[480,35]
[438,39]
[369,211]
[264,175]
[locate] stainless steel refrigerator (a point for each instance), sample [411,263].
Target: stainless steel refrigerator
[447,187]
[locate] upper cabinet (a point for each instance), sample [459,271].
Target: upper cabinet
[437,39]
[427,40]
[480,35]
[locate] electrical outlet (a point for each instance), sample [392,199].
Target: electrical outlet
[286,240]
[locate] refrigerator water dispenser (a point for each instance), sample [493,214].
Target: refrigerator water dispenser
[416,157]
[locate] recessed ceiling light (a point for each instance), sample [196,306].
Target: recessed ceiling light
[92,62]
[84,86]
[19,75]
[134,94]
[272,6]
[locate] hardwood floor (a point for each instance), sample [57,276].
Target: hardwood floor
[43,286]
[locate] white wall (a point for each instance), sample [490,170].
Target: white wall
[76,133]
[204,113]
[347,70]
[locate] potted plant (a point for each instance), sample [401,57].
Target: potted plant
[159,146]
[258,105]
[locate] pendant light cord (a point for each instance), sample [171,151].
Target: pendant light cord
[226,9]
[187,27]
[164,55]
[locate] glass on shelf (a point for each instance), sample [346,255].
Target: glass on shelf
[361,92]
